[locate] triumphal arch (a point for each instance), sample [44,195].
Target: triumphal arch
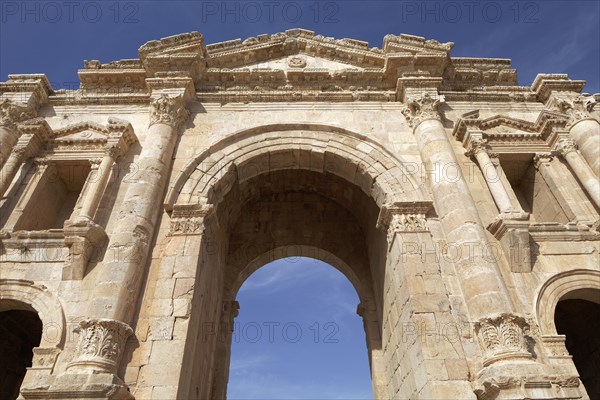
[462,206]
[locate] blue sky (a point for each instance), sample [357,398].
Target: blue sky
[539,36]
[298,335]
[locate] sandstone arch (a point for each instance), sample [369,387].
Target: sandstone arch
[284,170]
[20,294]
[326,148]
[576,283]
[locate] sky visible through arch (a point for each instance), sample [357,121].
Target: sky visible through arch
[549,36]
[298,335]
[54,37]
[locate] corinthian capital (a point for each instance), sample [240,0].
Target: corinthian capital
[565,146]
[101,344]
[12,113]
[503,336]
[576,107]
[419,109]
[169,111]
[477,145]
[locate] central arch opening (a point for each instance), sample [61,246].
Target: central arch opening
[262,195]
[298,335]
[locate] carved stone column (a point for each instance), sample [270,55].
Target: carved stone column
[34,134]
[478,149]
[567,148]
[101,174]
[15,160]
[482,285]
[116,293]
[547,167]
[481,281]
[584,129]
[11,113]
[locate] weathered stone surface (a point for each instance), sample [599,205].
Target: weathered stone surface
[462,207]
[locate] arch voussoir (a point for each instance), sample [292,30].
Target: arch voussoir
[320,148]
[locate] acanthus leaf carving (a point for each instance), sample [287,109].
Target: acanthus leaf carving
[565,146]
[101,343]
[503,336]
[419,109]
[169,111]
[477,145]
[576,107]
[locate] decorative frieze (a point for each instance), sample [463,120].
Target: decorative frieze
[100,346]
[418,109]
[403,218]
[189,220]
[169,111]
[503,337]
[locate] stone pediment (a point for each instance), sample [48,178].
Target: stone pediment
[504,133]
[84,136]
[302,61]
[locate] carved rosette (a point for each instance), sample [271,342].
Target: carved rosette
[101,344]
[576,107]
[503,337]
[12,113]
[169,111]
[418,109]
[565,146]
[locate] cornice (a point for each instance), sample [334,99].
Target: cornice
[537,136]
[229,69]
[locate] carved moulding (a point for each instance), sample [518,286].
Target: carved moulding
[512,231]
[529,386]
[504,133]
[503,337]
[189,219]
[403,218]
[100,346]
